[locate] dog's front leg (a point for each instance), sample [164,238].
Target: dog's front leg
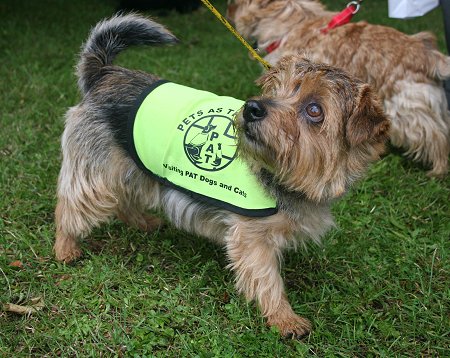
[254,255]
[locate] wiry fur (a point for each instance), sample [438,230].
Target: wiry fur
[304,165]
[407,71]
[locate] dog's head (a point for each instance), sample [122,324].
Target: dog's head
[314,128]
[254,18]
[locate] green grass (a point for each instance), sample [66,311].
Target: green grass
[378,286]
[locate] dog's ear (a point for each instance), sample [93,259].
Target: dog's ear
[368,122]
[267,79]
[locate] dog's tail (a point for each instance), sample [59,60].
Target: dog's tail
[439,64]
[111,36]
[443,66]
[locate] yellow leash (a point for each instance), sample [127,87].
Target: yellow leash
[235,33]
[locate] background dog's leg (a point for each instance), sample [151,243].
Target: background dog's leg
[254,251]
[421,125]
[446,12]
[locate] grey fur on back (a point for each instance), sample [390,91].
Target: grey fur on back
[111,36]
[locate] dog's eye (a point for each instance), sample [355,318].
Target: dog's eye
[314,112]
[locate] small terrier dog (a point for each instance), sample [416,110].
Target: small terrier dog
[407,71]
[306,139]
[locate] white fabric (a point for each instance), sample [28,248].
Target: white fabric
[403,9]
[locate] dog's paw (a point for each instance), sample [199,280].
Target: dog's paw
[439,172]
[152,223]
[293,327]
[66,250]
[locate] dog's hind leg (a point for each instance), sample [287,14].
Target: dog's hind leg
[86,185]
[254,250]
[421,125]
[136,200]
[144,222]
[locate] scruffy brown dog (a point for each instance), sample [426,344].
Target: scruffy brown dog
[307,138]
[407,71]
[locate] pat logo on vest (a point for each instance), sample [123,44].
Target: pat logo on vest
[209,142]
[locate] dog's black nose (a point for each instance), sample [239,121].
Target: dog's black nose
[254,111]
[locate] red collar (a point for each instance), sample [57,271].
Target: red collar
[273,46]
[342,17]
[339,19]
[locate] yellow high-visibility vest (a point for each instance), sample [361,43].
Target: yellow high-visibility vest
[185,139]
